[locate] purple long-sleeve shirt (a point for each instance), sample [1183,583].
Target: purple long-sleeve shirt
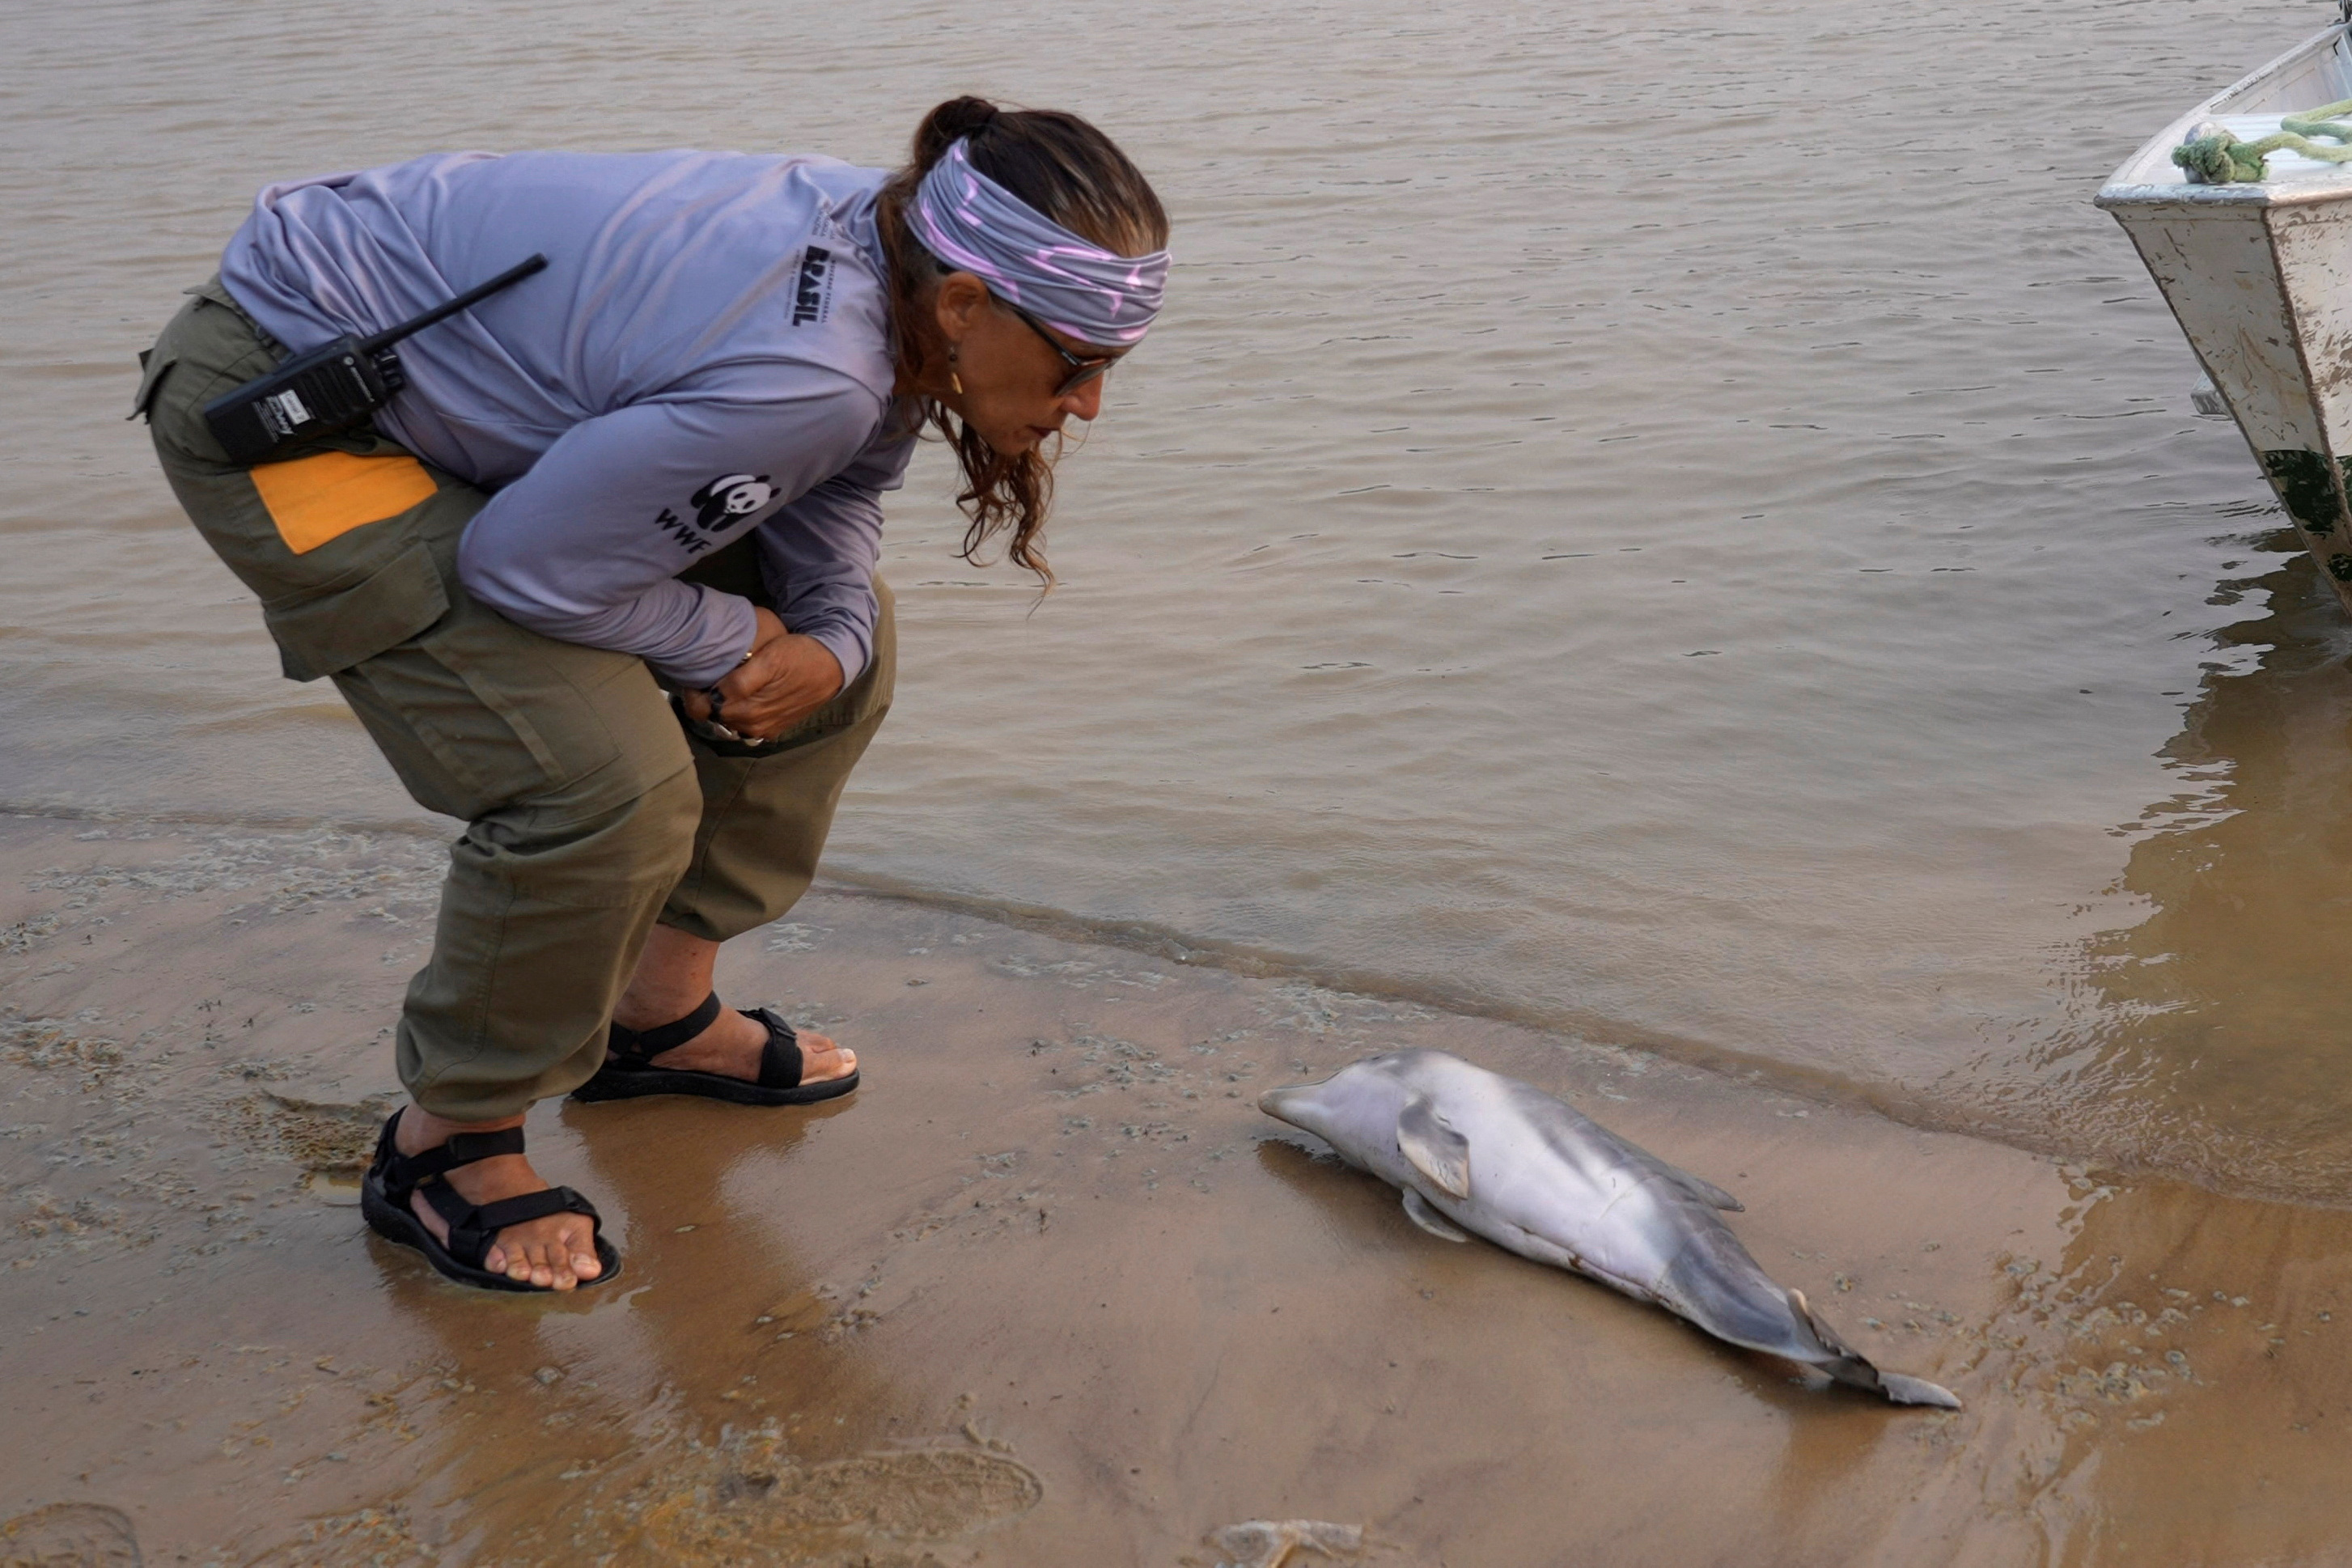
[708,350]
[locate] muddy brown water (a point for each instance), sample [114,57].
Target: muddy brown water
[1679,524]
[1671,531]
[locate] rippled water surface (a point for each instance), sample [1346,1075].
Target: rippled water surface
[1680,522]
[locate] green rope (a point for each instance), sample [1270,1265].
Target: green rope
[2214,157]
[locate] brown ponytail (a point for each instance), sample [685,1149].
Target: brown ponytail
[1070,171]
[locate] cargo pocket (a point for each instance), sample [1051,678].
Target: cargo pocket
[322,497]
[323,634]
[152,368]
[478,715]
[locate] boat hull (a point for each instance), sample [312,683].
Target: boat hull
[2260,278]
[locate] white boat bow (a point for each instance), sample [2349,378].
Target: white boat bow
[2259,274]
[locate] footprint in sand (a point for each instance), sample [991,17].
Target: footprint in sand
[333,1143]
[926,1494]
[69,1535]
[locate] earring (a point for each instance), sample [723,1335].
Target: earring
[955,381]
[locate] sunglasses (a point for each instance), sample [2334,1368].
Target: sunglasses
[1082,371]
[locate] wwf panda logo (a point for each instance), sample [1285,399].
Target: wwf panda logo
[729,500]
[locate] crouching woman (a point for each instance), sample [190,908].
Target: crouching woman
[599,577]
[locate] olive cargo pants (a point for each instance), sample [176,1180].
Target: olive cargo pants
[589,812]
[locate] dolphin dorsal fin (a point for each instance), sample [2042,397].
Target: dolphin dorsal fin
[1433,1148]
[1699,1188]
[1707,1192]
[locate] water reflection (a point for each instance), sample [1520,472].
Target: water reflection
[2219,1048]
[2173,1317]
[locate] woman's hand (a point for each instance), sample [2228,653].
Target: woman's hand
[787,677]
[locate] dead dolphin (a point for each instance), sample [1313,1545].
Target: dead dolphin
[1479,1151]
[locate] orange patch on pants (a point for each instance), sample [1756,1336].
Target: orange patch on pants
[313,500]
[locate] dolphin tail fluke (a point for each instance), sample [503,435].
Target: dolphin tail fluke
[1849,1366]
[1916,1391]
[1837,1358]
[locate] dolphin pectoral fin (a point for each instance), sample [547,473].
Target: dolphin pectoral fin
[1433,1149]
[1422,1213]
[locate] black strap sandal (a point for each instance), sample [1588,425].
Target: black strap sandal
[396,1177]
[628,1071]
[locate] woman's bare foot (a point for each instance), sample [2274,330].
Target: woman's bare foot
[733,1044]
[555,1253]
[672,979]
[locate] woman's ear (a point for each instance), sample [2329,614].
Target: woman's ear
[961,299]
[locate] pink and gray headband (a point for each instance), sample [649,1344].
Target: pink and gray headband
[1073,285]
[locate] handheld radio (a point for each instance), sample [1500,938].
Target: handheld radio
[329,389]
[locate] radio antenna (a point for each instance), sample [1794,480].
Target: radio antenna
[443,311]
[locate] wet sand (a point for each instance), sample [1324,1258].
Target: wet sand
[1048,1289]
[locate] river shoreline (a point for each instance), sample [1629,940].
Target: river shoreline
[1048,1288]
[1819,627]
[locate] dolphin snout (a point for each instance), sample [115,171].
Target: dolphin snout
[1274,1100]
